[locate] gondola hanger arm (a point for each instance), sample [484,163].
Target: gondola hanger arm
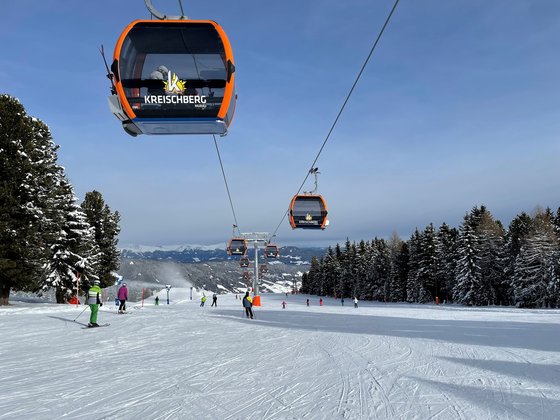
[162,16]
[315,172]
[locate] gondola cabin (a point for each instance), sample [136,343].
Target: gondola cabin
[246,275]
[173,77]
[237,246]
[264,268]
[244,262]
[308,211]
[271,251]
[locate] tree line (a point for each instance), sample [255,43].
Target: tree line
[480,263]
[47,239]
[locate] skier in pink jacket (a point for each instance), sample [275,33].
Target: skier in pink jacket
[122,295]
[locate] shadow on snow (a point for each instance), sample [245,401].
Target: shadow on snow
[523,335]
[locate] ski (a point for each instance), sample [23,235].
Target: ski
[99,326]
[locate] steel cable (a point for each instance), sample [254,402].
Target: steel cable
[236,225]
[342,107]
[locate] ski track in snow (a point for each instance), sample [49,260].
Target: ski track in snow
[180,361]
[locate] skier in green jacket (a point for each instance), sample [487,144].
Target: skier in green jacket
[94,302]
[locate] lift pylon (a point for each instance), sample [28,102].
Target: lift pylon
[258,239]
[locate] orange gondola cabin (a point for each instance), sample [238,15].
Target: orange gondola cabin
[244,262]
[237,246]
[173,77]
[308,211]
[271,251]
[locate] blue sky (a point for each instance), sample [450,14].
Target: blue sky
[459,106]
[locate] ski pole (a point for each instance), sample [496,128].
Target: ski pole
[74,320]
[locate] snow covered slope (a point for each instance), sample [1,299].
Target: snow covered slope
[181,361]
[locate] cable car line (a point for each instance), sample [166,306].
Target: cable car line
[169,102]
[227,187]
[342,107]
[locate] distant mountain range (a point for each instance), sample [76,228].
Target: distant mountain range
[208,267]
[203,253]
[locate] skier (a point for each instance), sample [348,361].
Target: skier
[355,302]
[283,304]
[202,300]
[214,300]
[94,302]
[248,304]
[320,301]
[342,301]
[307,302]
[157,300]
[123,296]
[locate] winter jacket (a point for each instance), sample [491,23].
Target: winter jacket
[123,293]
[93,295]
[247,302]
[203,299]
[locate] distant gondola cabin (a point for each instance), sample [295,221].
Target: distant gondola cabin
[308,211]
[271,251]
[237,246]
[244,262]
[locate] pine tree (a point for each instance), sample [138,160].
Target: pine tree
[320,278]
[427,265]
[414,253]
[65,235]
[556,222]
[331,273]
[304,284]
[535,281]
[339,287]
[400,277]
[394,287]
[313,276]
[480,267]
[338,252]
[364,271]
[553,287]
[347,267]
[354,274]
[73,251]
[446,261]
[553,278]
[468,288]
[106,229]
[381,268]
[21,245]
[492,262]
[516,235]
